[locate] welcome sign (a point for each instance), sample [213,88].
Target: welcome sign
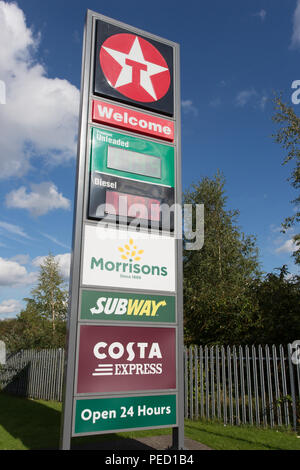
[135,260]
[129,119]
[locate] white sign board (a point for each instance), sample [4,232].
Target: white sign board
[128,259]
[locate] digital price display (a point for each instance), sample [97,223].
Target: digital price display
[131,157]
[133,162]
[121,200]
[132,205]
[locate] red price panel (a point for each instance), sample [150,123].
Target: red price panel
[132,206]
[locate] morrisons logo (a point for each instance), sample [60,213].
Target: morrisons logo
[131,253]
[128,268]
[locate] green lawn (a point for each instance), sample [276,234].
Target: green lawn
[220,437]
[35,424]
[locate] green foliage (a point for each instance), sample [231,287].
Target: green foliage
[217,299]
[288,135]
[278,298]
[227,300]
[42,324]
[50,297]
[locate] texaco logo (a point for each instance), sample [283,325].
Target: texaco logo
[135,68]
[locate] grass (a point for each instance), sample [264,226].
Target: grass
[35,424]
[220,437]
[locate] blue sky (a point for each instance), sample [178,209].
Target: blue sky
[234,55]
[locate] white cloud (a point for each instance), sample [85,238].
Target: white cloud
[215,102]
[263,101]
[54,240]
[189,107]
[261,14]
[296,26]
[12,274]
[63,261]
[43,198]
[40,115]
[13,229]
[22,259]
[244,96]
[275,228]
[10,308]
[289,246]
[251,97]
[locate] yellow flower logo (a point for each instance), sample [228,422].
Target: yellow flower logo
[130,251]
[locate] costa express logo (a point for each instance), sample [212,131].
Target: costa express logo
[131,67]
[131,253]
[129,352]
[118,359]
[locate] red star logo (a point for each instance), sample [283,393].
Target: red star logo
[135,68]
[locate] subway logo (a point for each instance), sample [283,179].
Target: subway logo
[116,306]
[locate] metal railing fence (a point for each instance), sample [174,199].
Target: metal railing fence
[242,385]
[34,374]
[256,385]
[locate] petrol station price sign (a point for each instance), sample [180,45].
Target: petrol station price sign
[132,157]
[124,367]
[121,170]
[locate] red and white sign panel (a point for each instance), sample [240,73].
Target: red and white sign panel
[119,359]
[117,116]
[134,67]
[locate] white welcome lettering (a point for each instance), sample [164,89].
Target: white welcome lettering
[109,113]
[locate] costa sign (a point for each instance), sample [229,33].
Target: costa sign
[117,116]
[133,69]
[128,358]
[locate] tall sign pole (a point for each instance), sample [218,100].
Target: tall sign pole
[124,361]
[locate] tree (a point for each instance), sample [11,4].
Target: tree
[42,324]
[50,297]
[288,135]
[217,299]
[278,297]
